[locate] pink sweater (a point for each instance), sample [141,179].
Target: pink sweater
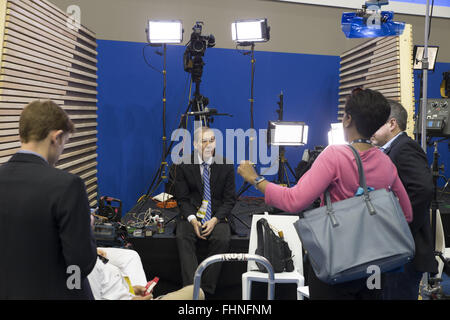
[336,167]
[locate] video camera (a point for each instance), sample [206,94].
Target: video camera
[110,208]
[110,234]
[309,156]
[195,50]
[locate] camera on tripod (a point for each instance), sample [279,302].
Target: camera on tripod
[195,49]
[309,156]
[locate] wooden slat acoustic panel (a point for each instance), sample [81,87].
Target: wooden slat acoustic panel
[42,57]
[382,64]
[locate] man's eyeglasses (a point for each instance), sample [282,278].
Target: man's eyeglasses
[211,140]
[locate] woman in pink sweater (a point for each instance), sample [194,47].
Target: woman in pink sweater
[335,169]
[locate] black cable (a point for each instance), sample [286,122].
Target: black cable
[146,61]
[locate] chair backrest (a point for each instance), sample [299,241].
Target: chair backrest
[440,241]
[284,223]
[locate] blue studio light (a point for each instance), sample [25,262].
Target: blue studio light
[372,23]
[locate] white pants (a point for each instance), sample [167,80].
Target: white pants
[107,280]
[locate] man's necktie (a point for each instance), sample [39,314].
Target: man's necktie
[206,191]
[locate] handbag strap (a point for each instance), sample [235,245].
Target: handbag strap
[362,177]
[362,184]
[362,180]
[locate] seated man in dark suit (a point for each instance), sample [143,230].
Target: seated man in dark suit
[47,248]
[205,192]
[415,174]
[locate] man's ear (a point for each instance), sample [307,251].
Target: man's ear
[56,136]
[392,124]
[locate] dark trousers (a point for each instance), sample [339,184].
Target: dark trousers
[218,242]
[352,290]
[402,285]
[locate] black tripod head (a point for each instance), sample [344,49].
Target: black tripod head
[199,102]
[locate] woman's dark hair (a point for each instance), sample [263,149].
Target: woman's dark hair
[369,110]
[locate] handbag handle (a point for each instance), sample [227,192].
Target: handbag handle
[259,228]
[362,184]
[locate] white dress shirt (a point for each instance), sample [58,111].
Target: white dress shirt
[388,144]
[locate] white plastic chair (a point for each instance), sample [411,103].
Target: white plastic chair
[284,223]
[440,242]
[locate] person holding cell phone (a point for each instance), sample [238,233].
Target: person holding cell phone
[119,275]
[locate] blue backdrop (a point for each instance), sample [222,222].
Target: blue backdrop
[130,104]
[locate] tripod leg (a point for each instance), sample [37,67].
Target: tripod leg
[248,227]
[286,175]
[244,188]
[167,222]
[292,171]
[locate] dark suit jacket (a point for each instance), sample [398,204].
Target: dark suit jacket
[189,189]
[45,227]
[414,172]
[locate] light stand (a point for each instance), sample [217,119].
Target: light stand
[425,64]
[159,33]
[252,123]
[245,186]
[282,162]
[431,287]
[418,65]
[291,137]
[430,282]
[161,173]
[247,33]
[164,138]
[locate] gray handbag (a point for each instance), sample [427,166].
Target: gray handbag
[344,238]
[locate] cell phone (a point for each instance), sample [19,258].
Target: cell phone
[150,285]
